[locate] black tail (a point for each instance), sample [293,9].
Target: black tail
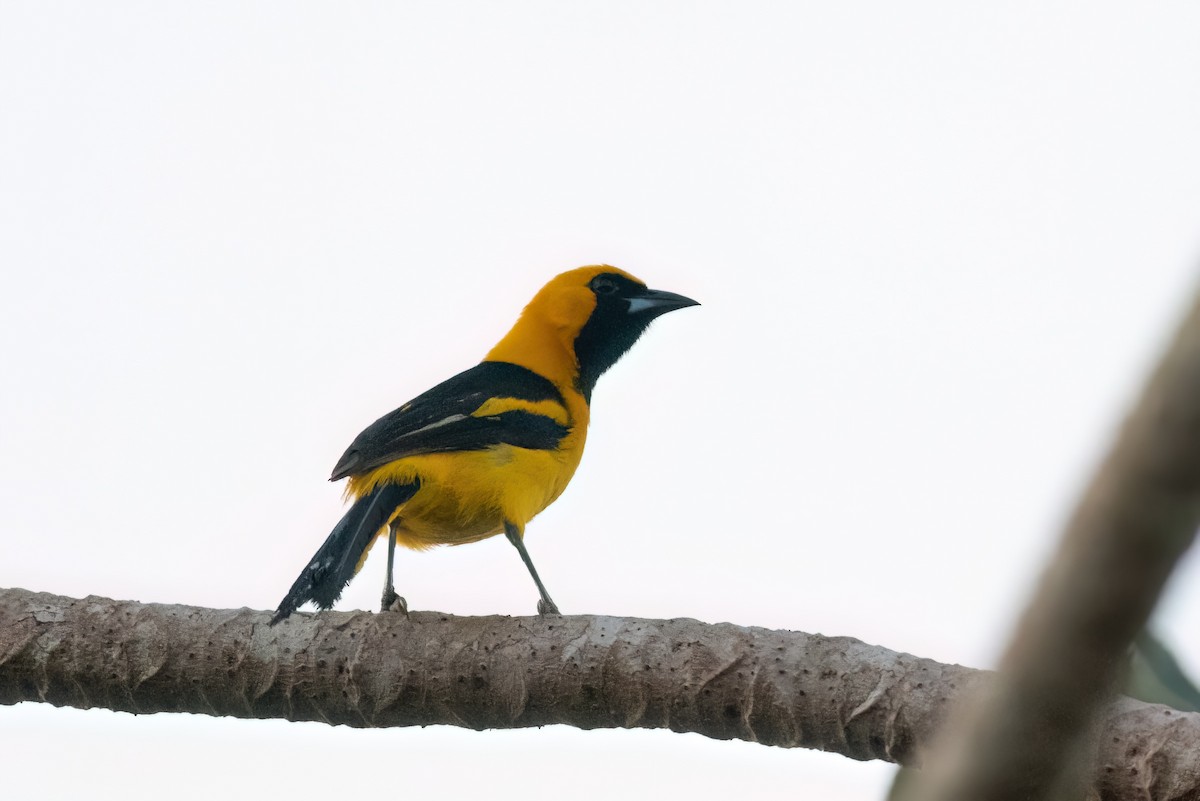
[334,564]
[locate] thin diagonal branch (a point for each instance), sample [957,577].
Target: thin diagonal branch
[1136,519]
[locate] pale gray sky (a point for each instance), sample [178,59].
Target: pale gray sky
[937,246]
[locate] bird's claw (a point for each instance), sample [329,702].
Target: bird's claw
[546,607]
[391,602]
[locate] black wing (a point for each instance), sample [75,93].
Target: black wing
[441,419]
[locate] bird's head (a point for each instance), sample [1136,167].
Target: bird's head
[596,313]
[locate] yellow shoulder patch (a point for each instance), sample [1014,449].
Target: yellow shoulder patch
[545,408]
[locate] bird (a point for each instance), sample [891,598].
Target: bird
[485,451]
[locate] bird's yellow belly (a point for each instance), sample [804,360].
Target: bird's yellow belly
[468,496]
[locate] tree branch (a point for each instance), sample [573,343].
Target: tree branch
[778,688]
[1028,735]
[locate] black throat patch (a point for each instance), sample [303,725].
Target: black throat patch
[610,331]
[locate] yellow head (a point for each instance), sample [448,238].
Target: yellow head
[581,323]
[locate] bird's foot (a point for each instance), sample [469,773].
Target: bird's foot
[547,607]
[391,602]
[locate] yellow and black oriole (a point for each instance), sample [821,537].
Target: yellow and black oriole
[491,447]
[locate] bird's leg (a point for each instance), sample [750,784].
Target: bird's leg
[545,605]
[391,602]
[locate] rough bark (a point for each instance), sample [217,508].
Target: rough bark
[1029,736]
[777,688]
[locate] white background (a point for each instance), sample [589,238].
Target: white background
[938,246]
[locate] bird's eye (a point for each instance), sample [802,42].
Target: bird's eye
[603,286]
